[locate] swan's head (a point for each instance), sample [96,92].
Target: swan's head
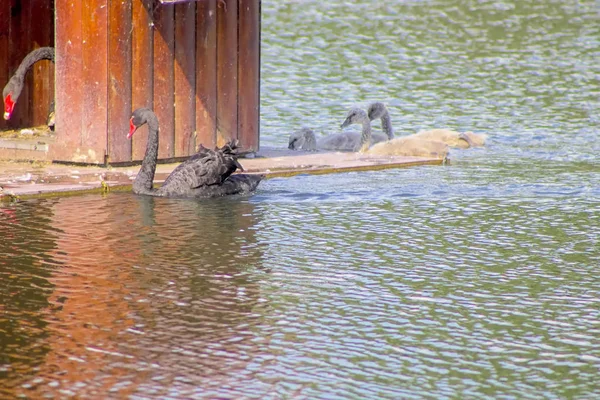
[10,94]
[138,118]
[377,110]
[298,138]
[355,116]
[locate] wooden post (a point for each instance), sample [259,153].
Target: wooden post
[20,46]
[42,34]
[142,71]
[206,73]
[94,78]
[164,90]
[249,74]
[69,90]
[227,77]
[4,51]
[185,78]
[119,81]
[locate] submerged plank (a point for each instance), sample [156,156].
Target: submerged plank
[59,179]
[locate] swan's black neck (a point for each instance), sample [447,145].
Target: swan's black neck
[145,177]
[43,53]
[15,85]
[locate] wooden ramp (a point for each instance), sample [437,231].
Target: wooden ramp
[41,179]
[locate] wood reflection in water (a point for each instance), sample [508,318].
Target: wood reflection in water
[150,294]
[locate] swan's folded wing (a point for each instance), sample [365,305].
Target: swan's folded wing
[235,184]
[344,141]
[205,168]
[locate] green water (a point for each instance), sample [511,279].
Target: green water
[477,279]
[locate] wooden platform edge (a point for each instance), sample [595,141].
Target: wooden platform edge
[21,181]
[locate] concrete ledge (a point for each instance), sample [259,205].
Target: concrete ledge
[41,179]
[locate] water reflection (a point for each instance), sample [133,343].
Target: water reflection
[25,268]
[139,291]
[477,279]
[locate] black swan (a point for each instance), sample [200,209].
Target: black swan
[13,88]
[401,146]
[207,173]
[451,138]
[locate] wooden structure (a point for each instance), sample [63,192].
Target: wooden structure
[19,34]
[196,63]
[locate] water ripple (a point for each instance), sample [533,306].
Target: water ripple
[476,279]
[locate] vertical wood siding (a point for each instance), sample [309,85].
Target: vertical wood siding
[195,63]
[249,73]
[142,72]
[164,82]
[185,78]
[21,32]
[94,118]
[227,79]
[69,88]
[119,79]
[206,73]
[42,34]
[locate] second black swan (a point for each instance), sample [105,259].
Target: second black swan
[208,173]
[14,87]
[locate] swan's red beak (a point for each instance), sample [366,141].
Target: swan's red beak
[132,128]
[9,106]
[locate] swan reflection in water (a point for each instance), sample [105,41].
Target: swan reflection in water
[146,293]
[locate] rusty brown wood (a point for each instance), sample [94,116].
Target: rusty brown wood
[20,46]
[142,71]
[94,115]
[249,74]
[164,49]
[185,78]
[69,91]
[4,51]
[227,79]
[119,81]
[206,73]
[42,34]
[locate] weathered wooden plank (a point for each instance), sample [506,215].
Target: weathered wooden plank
[227,79]
[20,46]
[119,81]
[164,49]
[4,51]
[249,74]
[69,91]
[142,71]
[206,73]
[42,34]
[94,124]
[176,1]
[185,78]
